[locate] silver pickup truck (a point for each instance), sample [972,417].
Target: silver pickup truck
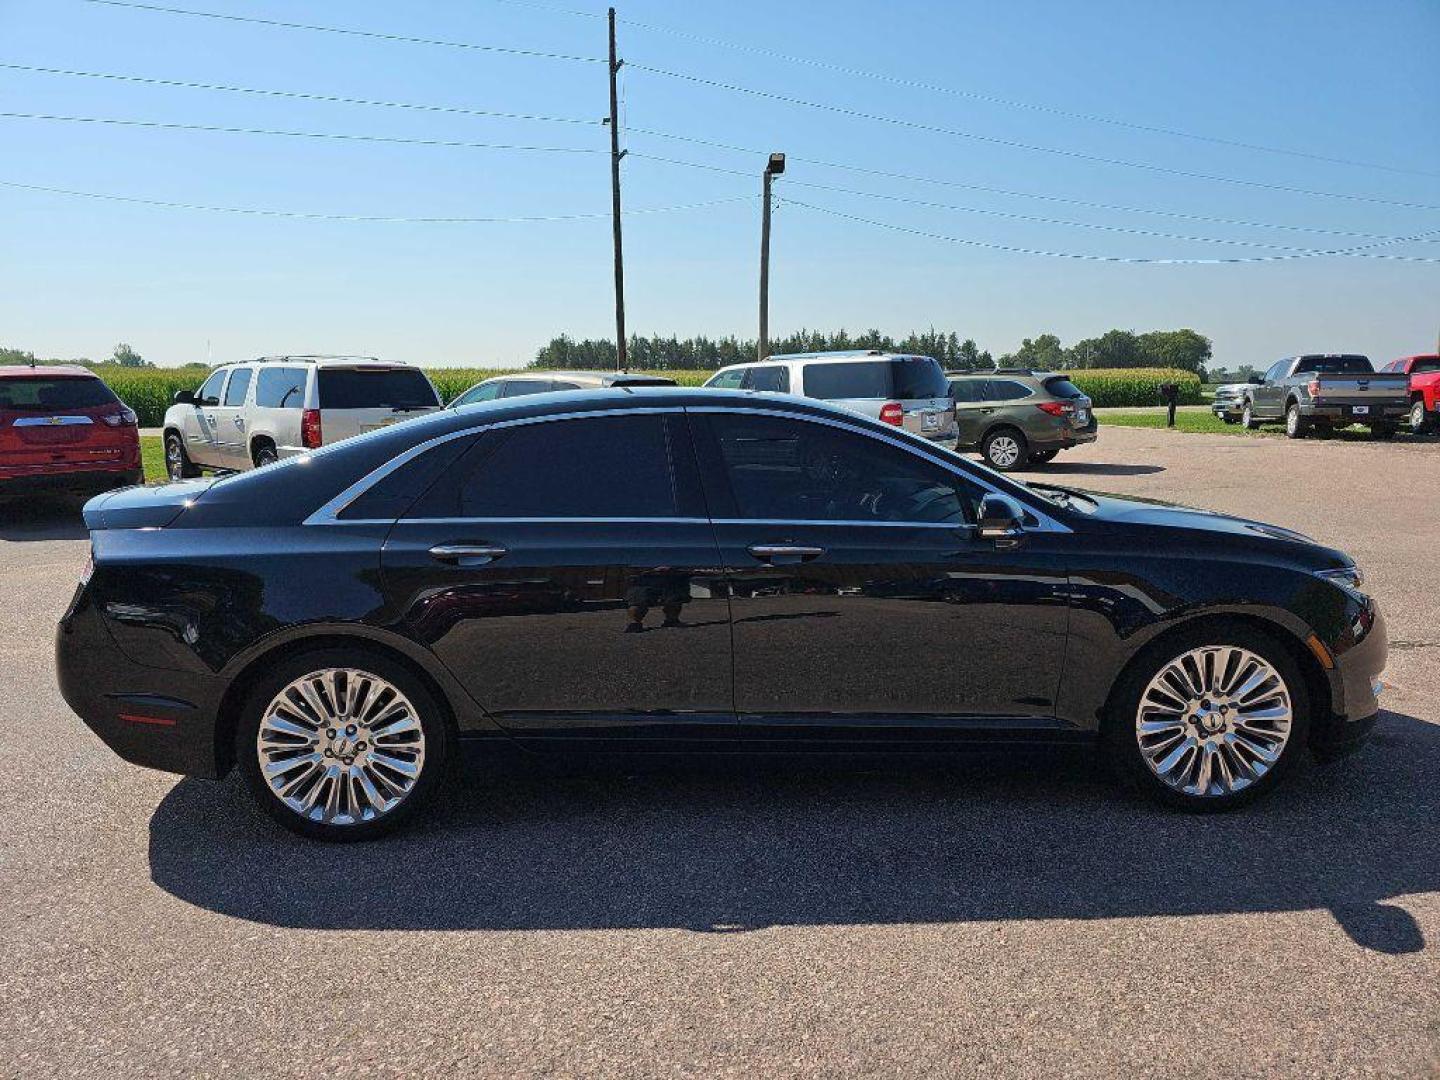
[1320,392]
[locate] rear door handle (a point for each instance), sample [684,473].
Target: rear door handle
[785,553]
[467,554]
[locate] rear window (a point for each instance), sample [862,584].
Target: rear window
[375,388]
[918,377]
[45,394]
[1334,365]
[1419,367]
[1063,387]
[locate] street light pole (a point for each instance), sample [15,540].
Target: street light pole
[773,168]
[621,361]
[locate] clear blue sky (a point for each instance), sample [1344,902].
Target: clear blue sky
[1338,79]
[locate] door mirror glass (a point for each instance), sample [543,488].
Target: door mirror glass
[1000,518]
[184,397]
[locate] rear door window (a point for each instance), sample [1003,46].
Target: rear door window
[280,388]
[40,394]
[607,467]
[236,389]
[906,379]
[1006,390]
[375,388]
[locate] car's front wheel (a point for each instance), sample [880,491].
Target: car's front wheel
[1210,720]
[177,462]
[1247,418]
[342,745]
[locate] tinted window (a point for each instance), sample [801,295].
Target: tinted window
[238,385]
[557,385]
[210,392]
[601,467]
[919,377]
[1063,387]
[727,380]
[791,470]
[965,391]
[393,494]
[484,392]
[772,377]
[524,387]
[42,393]
[280,388]
[1006,390]
[1419,367]
[375,388]
[1334,365]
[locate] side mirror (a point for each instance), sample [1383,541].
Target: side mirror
[184,397]
[1000,519]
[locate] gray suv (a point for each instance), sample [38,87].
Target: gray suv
[1017,417]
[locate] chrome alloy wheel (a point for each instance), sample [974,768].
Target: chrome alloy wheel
[340,746]
[1004,451]
[1214,720]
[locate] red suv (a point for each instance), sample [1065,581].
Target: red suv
[61,428]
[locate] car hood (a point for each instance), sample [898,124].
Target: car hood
[1138,511]
[143,507]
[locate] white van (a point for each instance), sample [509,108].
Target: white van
[250,414]
[907,391]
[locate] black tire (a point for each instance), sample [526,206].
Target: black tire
[1005,449]
[1296,426]
[1121,741]
[1040,457]
[1382,431]
[1230,419]
[177,462]
[264,453]
[433,721]
[1419,419]
[1247,418]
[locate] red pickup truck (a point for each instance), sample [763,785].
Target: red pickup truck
[61,428]
[1424,372]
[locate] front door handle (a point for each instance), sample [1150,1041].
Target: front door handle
[785,553]
[467,554]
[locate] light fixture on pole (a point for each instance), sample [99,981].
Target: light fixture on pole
[773,168]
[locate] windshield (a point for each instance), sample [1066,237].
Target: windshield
[912,377]
[375,388]
[1334,365]
[44,394]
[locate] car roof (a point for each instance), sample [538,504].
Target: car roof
[838,355]
[322,361]
[50,371]
[1011,373]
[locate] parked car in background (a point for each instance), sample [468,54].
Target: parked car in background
[1017,417]
[62,428]
[1229,402]
[261,411]
[1319,392]
[696,570]
[1424,375]
[544,382]
[906,391]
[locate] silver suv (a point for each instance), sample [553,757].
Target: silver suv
[907,391]
[254,413]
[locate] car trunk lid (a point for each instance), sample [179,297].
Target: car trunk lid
[143,507]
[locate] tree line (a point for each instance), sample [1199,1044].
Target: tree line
[123,355]
[1184,349]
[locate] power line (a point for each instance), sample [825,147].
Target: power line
[1008,192]
[375,34]
[297,94]
[396,140]
[385,219]
[995,99]
[1360,251]
[1079,155]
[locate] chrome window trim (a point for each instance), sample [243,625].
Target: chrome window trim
[328,514]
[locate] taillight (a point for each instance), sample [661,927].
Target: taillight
[310,429]
[1055,408]
[892,412]
[1314,388]
[124,418]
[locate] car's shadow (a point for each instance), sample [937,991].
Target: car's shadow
[43,517]
[1090,468]
[748,847]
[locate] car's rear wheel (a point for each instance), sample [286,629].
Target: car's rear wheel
[1210,720]
[1040,457]
[177,462]
[1296,426]
[1004,449]
[1419,418]
[264,454]
[342,745]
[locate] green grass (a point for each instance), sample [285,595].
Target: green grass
[152,455]
[1206,423]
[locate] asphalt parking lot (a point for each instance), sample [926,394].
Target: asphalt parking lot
[1002,918]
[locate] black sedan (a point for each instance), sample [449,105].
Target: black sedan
[700,571]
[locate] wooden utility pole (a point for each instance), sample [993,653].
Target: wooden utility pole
[773,168]
[621,361]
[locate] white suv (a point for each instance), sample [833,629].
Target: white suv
[254,413]
[907,391]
